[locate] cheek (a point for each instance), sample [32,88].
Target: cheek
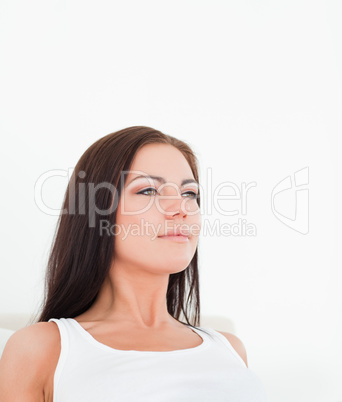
[132,208]
[135,204]
[195,221]
[135,229]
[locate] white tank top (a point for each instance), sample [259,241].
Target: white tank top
[90,371]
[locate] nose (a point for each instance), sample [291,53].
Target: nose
[180,214]
[173,206]
[176,209]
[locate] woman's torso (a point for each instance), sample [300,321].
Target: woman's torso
[96,363]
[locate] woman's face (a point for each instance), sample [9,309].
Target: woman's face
[149,208]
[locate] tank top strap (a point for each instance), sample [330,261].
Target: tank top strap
[224,342]
[65,345]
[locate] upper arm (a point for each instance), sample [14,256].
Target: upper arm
[237,345]
[23,364]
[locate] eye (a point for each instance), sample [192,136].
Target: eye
[147,189]
[192,193]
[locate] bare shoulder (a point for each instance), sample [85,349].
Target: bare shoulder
[237,345]
[33,341]
[25,364]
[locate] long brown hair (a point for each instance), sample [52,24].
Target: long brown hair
[80,258]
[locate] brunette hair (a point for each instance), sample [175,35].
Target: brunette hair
[80,258]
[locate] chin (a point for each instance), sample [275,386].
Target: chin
[176,266]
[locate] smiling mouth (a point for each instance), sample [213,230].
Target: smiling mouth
[176,238]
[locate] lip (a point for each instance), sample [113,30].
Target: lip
[177,238]
[177,232]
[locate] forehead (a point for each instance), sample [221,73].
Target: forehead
[163,160]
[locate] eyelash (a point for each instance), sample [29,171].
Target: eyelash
[151,188]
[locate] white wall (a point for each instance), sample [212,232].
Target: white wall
[255,87]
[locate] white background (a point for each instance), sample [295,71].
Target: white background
[255,88]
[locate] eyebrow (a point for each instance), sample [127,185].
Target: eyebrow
[162,180]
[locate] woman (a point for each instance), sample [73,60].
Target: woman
[122,270]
